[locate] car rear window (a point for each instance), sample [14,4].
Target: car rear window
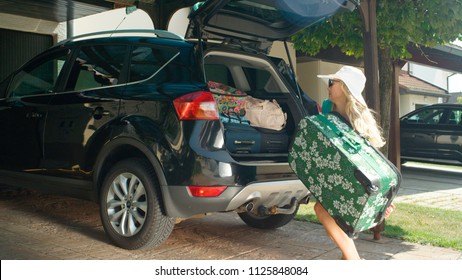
[97,66]
[162,64]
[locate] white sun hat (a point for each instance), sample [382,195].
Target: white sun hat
[353,78]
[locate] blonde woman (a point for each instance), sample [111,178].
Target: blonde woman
[345,100]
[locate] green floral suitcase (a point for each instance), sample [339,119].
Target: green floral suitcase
[351,179]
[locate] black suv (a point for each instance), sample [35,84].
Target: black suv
[433,133]
[126,119]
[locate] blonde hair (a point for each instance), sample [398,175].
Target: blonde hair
[362,119]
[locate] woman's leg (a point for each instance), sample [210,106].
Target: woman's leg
[344,243]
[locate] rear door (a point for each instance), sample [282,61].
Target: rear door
[259,22]
[79,115]
[449,135]
[419,132]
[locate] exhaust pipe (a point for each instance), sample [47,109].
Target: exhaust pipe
[274,210]
[306,199]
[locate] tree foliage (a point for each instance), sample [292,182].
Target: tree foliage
[399,23]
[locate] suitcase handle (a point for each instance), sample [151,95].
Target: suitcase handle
[231,115]
[353,144]
[350,142]
[244,142]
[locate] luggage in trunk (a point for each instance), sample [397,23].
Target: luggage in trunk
[351,179]
[242,138]
[245,139]
[230,101]
[273,141]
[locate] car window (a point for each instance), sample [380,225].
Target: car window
[38,77]
[159,64]
[427,116]
[219,73]
[455,117]
[97,66]
[261,80]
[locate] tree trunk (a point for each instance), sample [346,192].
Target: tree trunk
[383,118]
[385,92]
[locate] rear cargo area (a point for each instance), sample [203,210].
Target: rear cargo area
[232,78]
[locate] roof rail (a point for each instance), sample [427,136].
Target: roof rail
[155,32]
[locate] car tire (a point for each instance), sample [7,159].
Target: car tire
[130,206]
[267,221]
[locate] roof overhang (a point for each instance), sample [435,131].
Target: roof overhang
[54,10]
[160,11]
[446,57]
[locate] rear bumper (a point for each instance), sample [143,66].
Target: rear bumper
[179,202]
[261,179]
[268,194]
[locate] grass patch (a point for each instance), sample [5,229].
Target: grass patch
[417,224]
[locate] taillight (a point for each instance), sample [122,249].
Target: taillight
[206,191]
[196,106]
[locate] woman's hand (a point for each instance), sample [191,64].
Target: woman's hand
[389,209]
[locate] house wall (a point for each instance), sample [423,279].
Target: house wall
[279,50]
[24,24]
[455,83]
[315,87]
[32,25]
[179,22]
[308,81]
[410,102]
[432,75]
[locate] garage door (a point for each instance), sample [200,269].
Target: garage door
[17,47]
